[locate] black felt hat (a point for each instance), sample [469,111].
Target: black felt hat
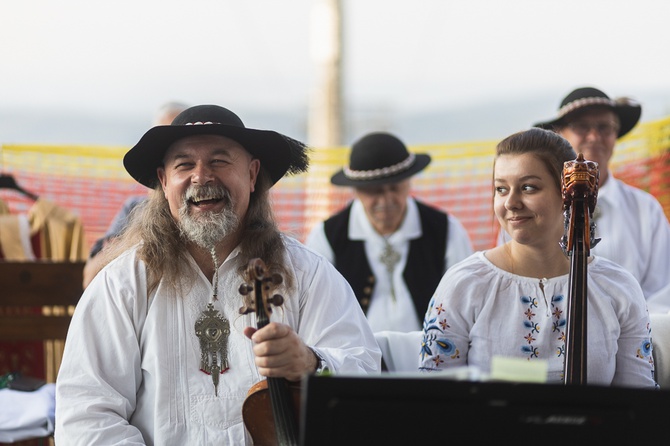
[379,158]
[626,109]
[277,153]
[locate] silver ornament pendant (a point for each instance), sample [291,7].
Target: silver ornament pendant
[213,330]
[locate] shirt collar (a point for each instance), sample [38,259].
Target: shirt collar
[610,193]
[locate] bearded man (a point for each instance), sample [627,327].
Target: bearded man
[159,351]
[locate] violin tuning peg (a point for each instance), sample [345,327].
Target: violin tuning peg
[245,289]
[277,300]
[277,279]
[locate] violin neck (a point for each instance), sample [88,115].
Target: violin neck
[262,316]
[283,412]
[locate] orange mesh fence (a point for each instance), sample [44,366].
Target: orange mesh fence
[91,181]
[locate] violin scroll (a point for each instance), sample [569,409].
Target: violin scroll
[259,280]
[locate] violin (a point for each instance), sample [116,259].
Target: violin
[273,398]
[580,191]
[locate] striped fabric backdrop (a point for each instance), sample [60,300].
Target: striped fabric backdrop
[91,181]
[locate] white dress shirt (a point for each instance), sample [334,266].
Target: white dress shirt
[131,369]
[635,233]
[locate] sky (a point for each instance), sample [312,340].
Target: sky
[118,61]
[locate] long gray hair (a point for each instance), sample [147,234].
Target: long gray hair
[163,250]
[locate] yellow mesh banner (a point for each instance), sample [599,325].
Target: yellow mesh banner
[91,181]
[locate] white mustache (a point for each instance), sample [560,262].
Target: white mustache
[202,193]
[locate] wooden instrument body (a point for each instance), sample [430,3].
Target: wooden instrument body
[257,410]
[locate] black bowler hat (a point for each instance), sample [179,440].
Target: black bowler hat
[277,153]
[626,109]
[379,158]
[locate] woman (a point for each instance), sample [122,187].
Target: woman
[512,300]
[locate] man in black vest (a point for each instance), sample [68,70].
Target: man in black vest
[391,248]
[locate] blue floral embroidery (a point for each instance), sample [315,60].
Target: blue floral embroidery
[560,350]
[558,324]
[445,346]
[529,300]
[533,352]
[527,348]
[431,341]
[555,300]
[442,345]
[534,328]
[429,324]
[425,345]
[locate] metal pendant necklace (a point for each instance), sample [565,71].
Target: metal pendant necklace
[213,330]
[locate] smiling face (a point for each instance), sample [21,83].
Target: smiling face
[385,205]
[207,181]
[527,202]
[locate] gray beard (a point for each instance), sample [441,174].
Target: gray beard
[207,230]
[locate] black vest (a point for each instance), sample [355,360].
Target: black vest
[425,260]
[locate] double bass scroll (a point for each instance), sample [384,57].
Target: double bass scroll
[580,192]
